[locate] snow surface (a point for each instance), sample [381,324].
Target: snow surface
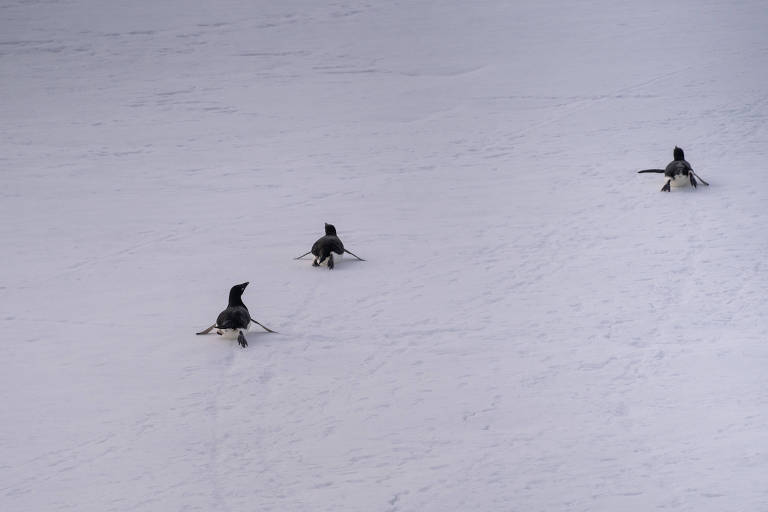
[537,328]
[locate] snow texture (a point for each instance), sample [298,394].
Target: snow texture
[537,327]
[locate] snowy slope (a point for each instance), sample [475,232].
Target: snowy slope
[537,328]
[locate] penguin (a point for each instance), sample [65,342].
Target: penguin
[236,319]
[678,172]
[324,248]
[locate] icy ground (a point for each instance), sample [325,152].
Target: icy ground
[537,327]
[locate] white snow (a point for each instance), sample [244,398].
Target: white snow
[537,327]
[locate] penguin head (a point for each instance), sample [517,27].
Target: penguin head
[236,292]
[330,230]
[678,154]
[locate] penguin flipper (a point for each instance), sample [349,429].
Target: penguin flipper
[263,326]
[241,340]
[330,261]
[665,188]
[693,180]
[658,171]
[206,331]
[353,254]
[700,180]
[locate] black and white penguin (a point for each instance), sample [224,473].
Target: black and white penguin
[324,247]
[236,319]
[678,172]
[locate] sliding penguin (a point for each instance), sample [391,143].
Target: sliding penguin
[324,248]
[678,172]
[235,319]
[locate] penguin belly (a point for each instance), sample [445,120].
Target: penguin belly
[231,334]
[680,181]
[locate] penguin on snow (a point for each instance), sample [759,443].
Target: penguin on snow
[678,172]
[325,247]
[235,319]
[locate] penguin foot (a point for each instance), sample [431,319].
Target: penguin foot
[665,188]
[315,263]
[241,340]
[330,263]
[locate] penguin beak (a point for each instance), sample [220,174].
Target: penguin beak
[244,285]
